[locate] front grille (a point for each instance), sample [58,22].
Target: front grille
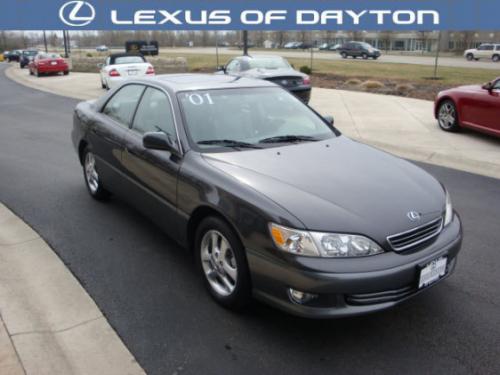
[286,81]
[416,236]
[380,297]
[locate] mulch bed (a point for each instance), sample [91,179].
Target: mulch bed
[419,90]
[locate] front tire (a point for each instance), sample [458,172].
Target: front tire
[222,261]
[344,55]
[496,58]
[448,116]
[66,72]
[92,180]
[364,56]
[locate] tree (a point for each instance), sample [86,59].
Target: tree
[467,37]
[423,36]
[386,38]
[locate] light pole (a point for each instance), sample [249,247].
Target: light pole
[216,50]
[245,42]
[45,41]
[437,55]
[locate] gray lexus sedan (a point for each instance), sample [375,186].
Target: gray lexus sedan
[270,198]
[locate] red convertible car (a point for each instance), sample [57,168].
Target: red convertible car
[45,63]
[476,107]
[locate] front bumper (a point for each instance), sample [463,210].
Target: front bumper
[347,287]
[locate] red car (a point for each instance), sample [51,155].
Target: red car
[476,107]
[46,63]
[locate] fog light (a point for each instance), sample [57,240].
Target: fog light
[300,297]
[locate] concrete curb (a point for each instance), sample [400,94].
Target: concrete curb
[48,322]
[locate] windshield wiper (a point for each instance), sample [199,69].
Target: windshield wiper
[228,143]
[288,138]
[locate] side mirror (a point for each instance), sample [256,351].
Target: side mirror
[221,68]
[488,86]
[329,119]
[159,141]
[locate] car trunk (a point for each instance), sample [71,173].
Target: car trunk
[131,70]
[57,62]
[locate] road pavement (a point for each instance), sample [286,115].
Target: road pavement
[148,290]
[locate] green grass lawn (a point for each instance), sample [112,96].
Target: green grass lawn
[364,69]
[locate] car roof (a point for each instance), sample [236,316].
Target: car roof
[123,54]
[195,81]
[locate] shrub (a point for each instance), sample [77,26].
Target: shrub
[353,82]
[404,87]
[372,85]
[89,54]
[305,69]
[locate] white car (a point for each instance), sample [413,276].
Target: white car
[122,66]
[102,48]
[484,51]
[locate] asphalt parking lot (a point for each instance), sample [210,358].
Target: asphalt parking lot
[147,288]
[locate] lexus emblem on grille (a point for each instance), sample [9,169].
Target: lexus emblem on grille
[413,215]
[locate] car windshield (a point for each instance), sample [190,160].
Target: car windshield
[128,60]
[268,63]
[43,56]
[249,117]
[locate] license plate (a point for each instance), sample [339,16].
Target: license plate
[132,72]
[432,272]
[53,63]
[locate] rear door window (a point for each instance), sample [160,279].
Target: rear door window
[122,105]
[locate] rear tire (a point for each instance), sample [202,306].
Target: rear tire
[221,259]
[66,72]
[469,57]
[448,116]
[496,58]
[91,177]
[364,56]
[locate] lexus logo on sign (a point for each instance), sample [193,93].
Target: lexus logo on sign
[77,13]
[413,215]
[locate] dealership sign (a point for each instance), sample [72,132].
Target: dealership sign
[238,14]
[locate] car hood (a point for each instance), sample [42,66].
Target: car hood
[468,88]
[271,73]
[338,185]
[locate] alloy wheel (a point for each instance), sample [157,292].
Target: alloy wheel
[447,116]
[91,176]
[219,263]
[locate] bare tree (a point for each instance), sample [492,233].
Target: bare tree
[423,36]
[386,38]
[467,38]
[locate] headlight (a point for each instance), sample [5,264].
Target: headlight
[448,215]
[317,244]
